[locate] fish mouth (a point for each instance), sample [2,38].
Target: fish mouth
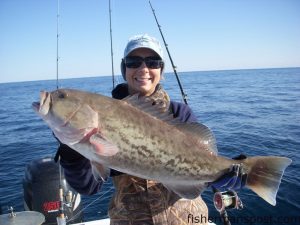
[36,106]
[43,106]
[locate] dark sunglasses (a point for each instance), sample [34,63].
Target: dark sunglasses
[152,62]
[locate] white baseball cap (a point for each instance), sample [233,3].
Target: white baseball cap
[143,41]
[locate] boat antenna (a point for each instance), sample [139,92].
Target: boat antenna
[111,48]
[184,96]
[57,39]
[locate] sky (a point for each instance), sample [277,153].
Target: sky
[201,35]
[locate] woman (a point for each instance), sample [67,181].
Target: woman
[136,200]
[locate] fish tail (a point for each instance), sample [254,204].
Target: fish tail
[265,175]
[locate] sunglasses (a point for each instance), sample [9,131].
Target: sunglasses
[152,62]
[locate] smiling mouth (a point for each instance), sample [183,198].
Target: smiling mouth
[142,79]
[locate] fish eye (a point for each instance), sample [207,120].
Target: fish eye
[60,94]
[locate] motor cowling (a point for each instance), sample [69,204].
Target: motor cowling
[41,185]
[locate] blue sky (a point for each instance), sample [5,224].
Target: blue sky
[201,35]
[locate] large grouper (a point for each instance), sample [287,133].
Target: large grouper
[143,139]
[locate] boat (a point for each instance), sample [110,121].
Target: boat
[95,222]
[37,218]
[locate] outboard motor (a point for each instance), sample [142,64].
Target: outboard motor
[41,192]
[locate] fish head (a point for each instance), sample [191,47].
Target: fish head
[69,116]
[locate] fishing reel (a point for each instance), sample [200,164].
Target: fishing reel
[227,200]
[69,199]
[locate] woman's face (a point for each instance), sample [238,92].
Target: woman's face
[142,80]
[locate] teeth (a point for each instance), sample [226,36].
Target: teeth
[142,79]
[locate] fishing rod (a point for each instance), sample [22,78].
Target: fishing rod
[57,39]
[184,96]
[111,48]
[61,219]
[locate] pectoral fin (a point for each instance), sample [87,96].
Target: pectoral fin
[102,146]
[100,172]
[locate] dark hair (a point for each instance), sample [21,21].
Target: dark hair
[123,69]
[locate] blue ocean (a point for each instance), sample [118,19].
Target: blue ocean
[254,112]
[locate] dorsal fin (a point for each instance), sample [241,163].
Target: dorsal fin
[201,133]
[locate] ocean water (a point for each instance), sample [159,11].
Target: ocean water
[255,112]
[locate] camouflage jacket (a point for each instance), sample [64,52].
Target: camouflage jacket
[144,202]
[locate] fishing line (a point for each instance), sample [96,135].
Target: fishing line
[184,96]
[106,192]
[57,41]
[111,48]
